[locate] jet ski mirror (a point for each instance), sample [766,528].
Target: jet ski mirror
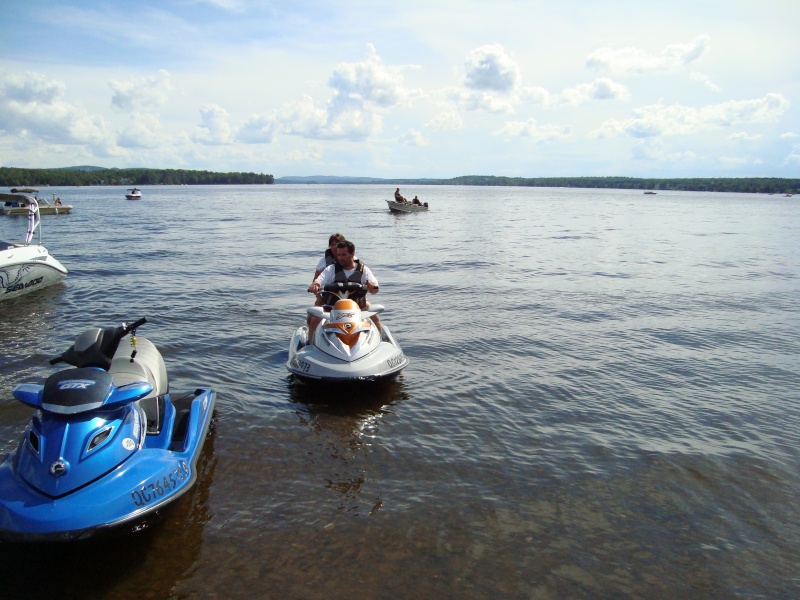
[317,311]
[374,309]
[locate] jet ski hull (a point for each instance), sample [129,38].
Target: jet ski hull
[154,476]
[309,363]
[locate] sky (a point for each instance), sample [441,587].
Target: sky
[411,89]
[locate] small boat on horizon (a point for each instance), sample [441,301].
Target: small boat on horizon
[134,194]
[650,192]
[406,207]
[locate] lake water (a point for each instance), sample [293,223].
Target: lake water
[602,399]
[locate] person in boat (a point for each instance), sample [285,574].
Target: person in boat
[398,197]
[57,202]
[416,201]
[33,208]
[347,268]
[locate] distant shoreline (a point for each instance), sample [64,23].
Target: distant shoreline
[756,185]
[94,176]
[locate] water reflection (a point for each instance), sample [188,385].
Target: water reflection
[347,420]
[26,317]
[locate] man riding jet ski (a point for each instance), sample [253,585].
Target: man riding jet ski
[346,268]
[345,340]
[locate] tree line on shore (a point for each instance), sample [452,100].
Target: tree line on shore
[15,177]
[89,176]
[755,185]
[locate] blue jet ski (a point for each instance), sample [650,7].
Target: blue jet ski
[107,446]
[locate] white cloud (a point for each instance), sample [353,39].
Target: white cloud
[303,118]
[369,81]
[310,154]
[530,129]
[490,68]
[653,150]
[145,92]
[214,128]
[600,89]
[353,123]
[144,132]
[446,120]
[29,88]
[744,136]
[258,129]
[793,158]
[304,85]
[412,137]
[705,80]
[630,60]
[483,101]
[361,92]
[733,160]
[657,119]
[537,95]
[490,80]
[32,105]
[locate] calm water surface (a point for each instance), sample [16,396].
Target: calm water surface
[602,399]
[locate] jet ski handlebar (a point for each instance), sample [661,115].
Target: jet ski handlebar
[348,286]
[133,326]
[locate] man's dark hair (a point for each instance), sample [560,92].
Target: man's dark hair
[351,247]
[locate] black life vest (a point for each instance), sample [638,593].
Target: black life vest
[341,277]
[329,259]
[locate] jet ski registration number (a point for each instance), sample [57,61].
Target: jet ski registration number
[153,490]
[396,360]
[301,365]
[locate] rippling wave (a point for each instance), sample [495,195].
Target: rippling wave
[601,400]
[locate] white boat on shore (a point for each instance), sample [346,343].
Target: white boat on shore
[406,207]
[16,204]
[134,194]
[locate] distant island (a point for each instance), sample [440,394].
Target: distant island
[90,176]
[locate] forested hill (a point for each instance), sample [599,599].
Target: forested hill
[79,176]
[765,185]
[87,176]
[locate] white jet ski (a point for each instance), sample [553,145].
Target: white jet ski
[346,346]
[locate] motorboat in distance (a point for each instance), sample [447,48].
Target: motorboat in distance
[134,194]
[16,204]
[406,207]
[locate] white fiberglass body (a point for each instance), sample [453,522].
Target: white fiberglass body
[25,269]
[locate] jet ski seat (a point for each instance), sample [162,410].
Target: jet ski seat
[124,372]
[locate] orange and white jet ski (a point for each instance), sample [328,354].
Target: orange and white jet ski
[347,345]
